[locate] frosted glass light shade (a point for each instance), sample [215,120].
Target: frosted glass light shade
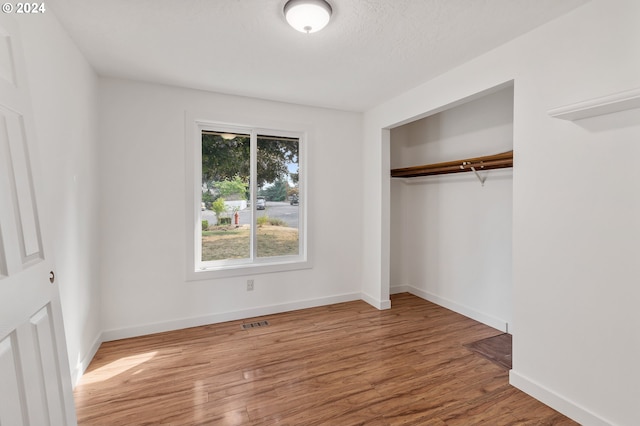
[307,16]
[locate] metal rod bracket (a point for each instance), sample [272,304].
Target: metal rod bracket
[480,178]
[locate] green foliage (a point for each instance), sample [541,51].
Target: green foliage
[224,160]
[207,198]
[275,192]
[205,225]
[274,156]
[273,221]
[293,191]
[218,207]
[225,221]
[236,186]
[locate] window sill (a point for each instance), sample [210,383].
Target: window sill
[246,270]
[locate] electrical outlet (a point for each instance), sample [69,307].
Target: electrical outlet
[249,285]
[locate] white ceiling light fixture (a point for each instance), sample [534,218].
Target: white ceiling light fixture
[307,16]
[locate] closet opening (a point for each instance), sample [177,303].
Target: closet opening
[451,230]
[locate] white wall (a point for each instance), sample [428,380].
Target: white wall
[64,99]
[575,211]
[451,236]
[142,168]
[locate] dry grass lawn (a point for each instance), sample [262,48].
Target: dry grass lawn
[233,243]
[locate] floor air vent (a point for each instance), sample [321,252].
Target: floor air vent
[255,325]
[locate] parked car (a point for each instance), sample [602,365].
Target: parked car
[261,203]
[294,200]
[203,207]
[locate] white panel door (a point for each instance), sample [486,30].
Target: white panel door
[35,383]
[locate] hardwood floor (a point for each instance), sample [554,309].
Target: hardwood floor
[494,348]
[345,364]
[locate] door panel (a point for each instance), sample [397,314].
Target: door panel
[12,138]
[47,354]
[35,382]
[11,385]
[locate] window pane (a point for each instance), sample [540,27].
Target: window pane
[277,231]
[226,217]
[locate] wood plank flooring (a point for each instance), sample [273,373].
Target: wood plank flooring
[495,348]
[344,364]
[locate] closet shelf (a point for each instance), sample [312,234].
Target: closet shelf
[488,162]
[600,106]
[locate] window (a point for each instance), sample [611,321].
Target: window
[248,201]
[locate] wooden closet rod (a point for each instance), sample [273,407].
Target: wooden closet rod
[488,162]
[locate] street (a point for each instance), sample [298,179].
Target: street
[275,209]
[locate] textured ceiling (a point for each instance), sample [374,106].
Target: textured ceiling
[371,50]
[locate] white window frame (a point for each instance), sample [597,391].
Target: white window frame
[198,270]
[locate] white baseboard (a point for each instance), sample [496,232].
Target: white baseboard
[378,304]
[555,401]
[404,288]
[178,324]
[489,320]
[81,367]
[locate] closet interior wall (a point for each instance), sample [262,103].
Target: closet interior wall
[450,235]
